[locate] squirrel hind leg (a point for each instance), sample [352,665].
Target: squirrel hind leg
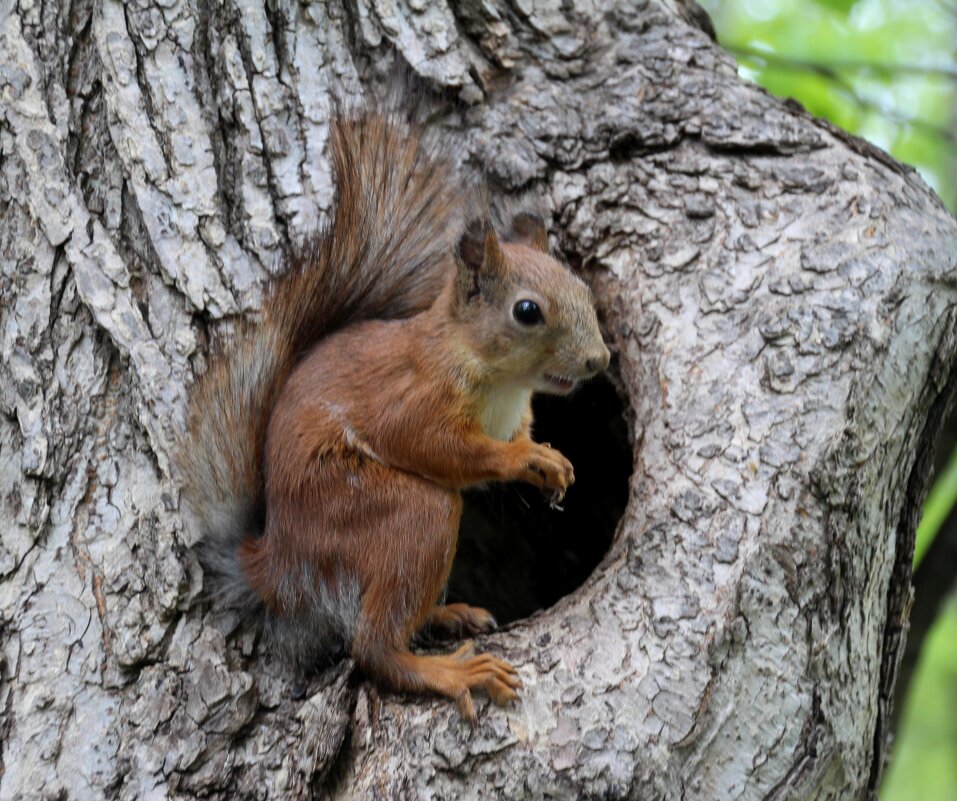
[453,676]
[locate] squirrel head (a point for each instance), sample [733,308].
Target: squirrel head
[527,317]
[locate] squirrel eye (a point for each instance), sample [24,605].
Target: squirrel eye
[527,312]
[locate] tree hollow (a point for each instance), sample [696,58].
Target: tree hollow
[517,555]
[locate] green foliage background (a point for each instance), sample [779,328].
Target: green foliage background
[885,70]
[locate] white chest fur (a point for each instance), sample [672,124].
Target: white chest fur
[502,415]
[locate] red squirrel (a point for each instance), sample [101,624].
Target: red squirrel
[393,366]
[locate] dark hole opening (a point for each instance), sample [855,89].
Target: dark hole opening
[516,555]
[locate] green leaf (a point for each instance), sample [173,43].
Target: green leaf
[842,6]
[940,502]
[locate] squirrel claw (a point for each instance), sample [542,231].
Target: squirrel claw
[548,469]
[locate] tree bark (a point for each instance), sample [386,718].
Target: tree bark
[780,297]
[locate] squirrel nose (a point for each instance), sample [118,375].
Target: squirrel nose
[597,363]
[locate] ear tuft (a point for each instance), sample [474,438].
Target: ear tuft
[529,229]
[470,249]
[479,258]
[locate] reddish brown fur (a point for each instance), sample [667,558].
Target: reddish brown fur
[373,486]
[367,440]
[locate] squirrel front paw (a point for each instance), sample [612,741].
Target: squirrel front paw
[548,468]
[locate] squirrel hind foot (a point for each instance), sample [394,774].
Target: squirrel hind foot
[454,676]
[456,620]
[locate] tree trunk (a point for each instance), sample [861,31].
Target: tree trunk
[780,297]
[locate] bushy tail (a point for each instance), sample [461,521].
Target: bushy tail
[397,210]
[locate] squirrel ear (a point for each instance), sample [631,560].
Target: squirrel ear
[479,259]
[529,229]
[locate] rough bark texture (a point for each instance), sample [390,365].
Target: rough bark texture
[781,299]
